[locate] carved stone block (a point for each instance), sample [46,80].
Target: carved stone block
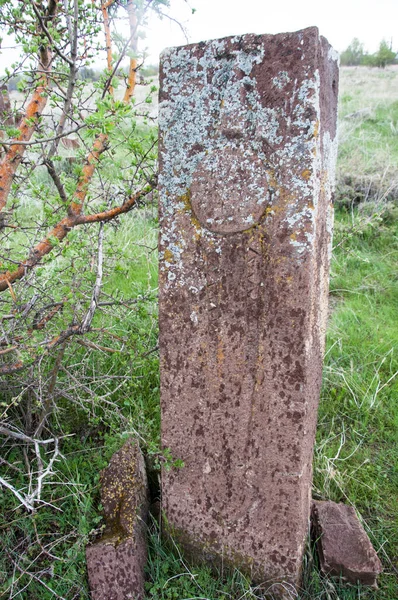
[247,159]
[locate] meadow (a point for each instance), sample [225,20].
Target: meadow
[116,393]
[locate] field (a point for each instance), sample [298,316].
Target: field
[356,453]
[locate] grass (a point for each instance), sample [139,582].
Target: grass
[368,134]
[356,453]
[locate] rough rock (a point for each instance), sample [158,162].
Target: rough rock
[115,563]
[343,546]
[247,159]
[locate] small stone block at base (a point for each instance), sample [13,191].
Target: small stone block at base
[116,572]
[116,562]
[344,548]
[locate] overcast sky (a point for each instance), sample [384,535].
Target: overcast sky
[338,20]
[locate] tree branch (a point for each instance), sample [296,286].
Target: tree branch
[73,34]
[49,36]
[61,230]
[108,39]
[44,140]
[86,323]
[13,157]
[133,23]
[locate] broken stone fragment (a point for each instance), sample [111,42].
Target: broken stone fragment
[115,563]
[343,546]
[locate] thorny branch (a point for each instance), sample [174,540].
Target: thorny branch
[48,201]
[61,230]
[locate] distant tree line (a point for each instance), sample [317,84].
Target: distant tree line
[355,55]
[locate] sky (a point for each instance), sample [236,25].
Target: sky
[338,20]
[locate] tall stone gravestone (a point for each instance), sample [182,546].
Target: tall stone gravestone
[247,159]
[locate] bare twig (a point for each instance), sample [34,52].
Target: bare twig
[49,36]
[86,323]
[43,140]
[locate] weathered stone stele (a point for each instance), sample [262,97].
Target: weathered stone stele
[247,158]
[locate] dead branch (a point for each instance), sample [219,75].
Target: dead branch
[50,391]
[88,344]
[19,496]
[30,499]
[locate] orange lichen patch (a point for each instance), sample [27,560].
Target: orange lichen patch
[269,211]
[186,200]
[259,368]
[316,129]
[168,256]
[293,236]
[220,352]
[272,178]
[197,226]
[306,174]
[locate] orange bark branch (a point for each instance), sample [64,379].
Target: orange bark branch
[132,78]
[108,39]
[13,157]
[87,173]
[61,230]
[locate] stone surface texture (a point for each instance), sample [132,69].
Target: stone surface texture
[115,563]
[343,546]
[247,159]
